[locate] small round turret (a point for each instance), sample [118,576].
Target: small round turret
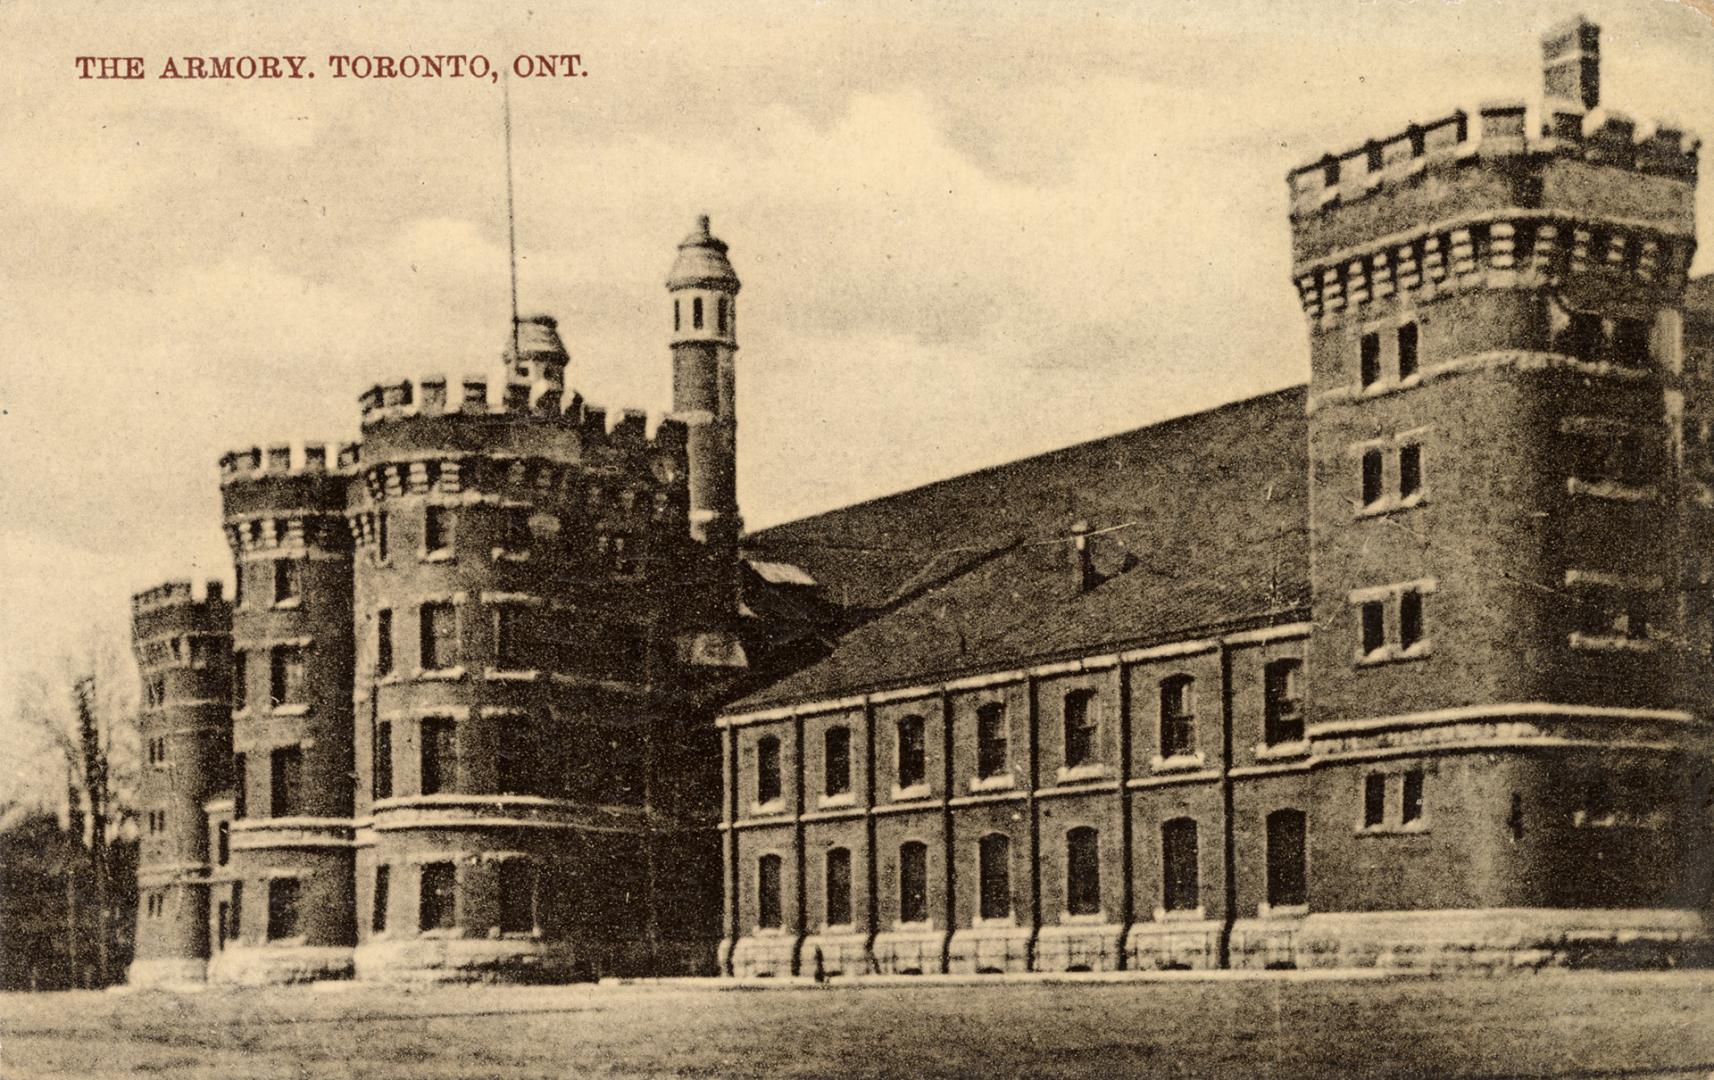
[704,289]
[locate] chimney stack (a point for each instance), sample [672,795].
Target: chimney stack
[1087,578]
[1571,64]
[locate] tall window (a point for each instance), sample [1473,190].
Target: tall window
[1410,618]
[913,764]
[1412,802]
[836,761]
[1178,716]
[991,740]
[384,641]
[1287,881]
[720,314]
[383,543]
[240,681]
[508,644]
[913,882]
[1410,470]
[1080,725]
[676,315]
[517,896]
[1374,619]
[286,675]
[1369,359]
[1083,871]
[1630,342]
[1407,350]
[768,892]
[994,873]
[381,767]
[438,524]
[1180,875]
[696,313]
[439,754]
[436,896]
[516,762]
[767,769]
[286,782]
[1374,480]
[1374,800]
[439,632]
[378,910]
[838,887]
[288,581]
[237,910]
[223,843]
[283,896]
[240,787]
[1282,694]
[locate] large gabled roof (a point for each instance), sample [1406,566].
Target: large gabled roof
[1197,522]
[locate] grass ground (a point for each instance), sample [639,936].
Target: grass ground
[1561,1025]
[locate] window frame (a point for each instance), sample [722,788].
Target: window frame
[994,878]
[836,888]
[993,742]
[1282,702]
[913,884]
[910,748]
[1083,872]
[1177,727]
[770,885]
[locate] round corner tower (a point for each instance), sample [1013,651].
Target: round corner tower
[704,292]
[183,649]
[1502,512]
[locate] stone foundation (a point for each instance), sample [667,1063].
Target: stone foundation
[987,950]
[168,972]
[1079,947]
[455,959]
[829,955]
[909,952]
[275,965]
[1173,945]
[765,956]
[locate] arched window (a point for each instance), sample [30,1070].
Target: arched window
[913,765]
[1083,871]
[839,887]
[1080,726]
[1283,702]
[994,855]
[767,769]
[1180,884]
[768,892]
[991,740]
[836,761]
[1178,716]
[1288,884]
[913,882]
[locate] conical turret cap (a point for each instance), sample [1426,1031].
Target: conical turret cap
[701,262]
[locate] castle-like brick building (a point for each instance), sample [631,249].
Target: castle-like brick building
[1413,665]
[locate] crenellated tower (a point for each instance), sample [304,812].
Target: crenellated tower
[183,650]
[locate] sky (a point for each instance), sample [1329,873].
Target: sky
[967,232]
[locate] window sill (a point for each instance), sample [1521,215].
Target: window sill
[1074,773]
[439,555]
[511,674]
[389,678]
[1613,490]
[1277,751]
[1178,763]
[441,933]
[451,674]
[842,928]
[1281,911]
[844,798]
[916,926]
[289,710]
[508,555]
[1088,918]
[999,922]
[1383,387]
[1002,782]
[1392,505]
[1414,828]
[1199,913]
[915,791]
[298,941]
[771,932]
[290,603]
[1611,644]
[1392,654]
[772,806]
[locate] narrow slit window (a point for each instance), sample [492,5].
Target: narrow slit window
[913,882]
[1410,618]
[1374,618]
[1412,805]
[1410,470]
[696,313]
[381,767]
[1369,359]
[1374,484]
[378,907]
[1374,800]
[1407,350]
[384,642]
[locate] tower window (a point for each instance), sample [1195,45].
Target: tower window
[994,874]
[438,523]
[384,641]
[913,882]
[240,681]
[515,759]
[508,646]
[836,761]
[1410,618]
[768,892]
[240,789]
[439,754]
[381,767]
[1630,342]
[288,581]
[1178,716]
[437,894]
[1374,618]
[1180,885]
[439,636]
[720,314]
[1083,871]
[1407,350]
[223,843]
[286,780]
[990,740]
[517,896]
[1282,702]
[767,769]
[839,887]
[1412,808]
[378,908]
[1288,884]
[1410,470]
[676,319]
[286,676]
[381,539]
[912,752]
[1369,359]
[283,896]
[1373,477]
[1582,336]
[1080,728]
[696,313]
[1374,800]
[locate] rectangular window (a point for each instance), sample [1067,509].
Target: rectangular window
[1410,618]
[288,581]
[1369,359]
[237,910]
[1288,882]
[1178,716]
[240,786]
[913,882]
[286,676]
[913,765]
[1083,872]
[223,843]
[839,887]
[384,641]
[1282,702]
[238,586]
[1374,617]
[383,543]
[1080,728]
[517,897]
[768,892]
[436,896]
[1374,800]
[378,909]
[438,630]
[676,315]
[696,313]
[1410,470]
[1374,481]
[1630,342]
[1582,337]
[438,524]
[508,645]
[285,780]
[1412,809]
[240,681]
[767,769]
[994,876]
[990,740]
[516,763]
[381,767]
[836,761]
[1407,350]
[1180,874]
[439,754]
[283,895]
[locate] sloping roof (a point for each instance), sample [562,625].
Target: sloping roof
[1197,522]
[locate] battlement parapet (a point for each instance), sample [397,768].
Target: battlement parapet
[285,459]
[174,594]
[1500,132]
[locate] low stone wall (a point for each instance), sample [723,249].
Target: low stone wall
[1172,945]
[986,950]
[429,960]
[828,955]
[1079,947]
[765,955]
[909,952]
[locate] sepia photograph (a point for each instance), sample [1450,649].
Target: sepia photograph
[1196,560]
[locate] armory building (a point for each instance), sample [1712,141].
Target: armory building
[1407,666]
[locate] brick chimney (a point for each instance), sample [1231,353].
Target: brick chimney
[1084,562]
[1571,64]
